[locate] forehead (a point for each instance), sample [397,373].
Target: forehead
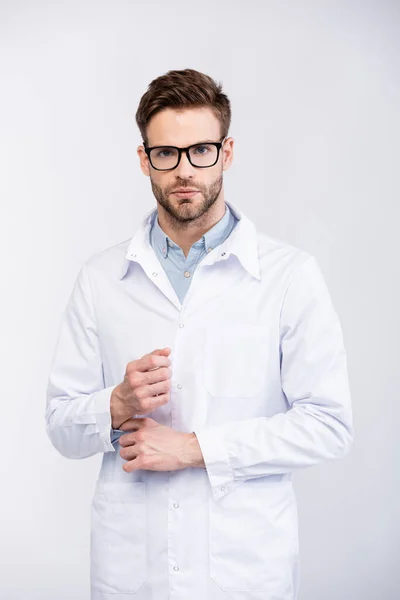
[183,127]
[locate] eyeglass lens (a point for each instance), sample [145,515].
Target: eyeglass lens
[201,155]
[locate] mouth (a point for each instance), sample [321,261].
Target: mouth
[185,193]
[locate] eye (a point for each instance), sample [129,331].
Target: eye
[164,153]
[202,149]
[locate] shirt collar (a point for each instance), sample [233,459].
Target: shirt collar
[208,241]
[242,242]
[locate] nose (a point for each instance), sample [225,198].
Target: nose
[185,170]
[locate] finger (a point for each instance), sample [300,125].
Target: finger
[162,386]
[153,360]
[132,465]
[156,375]
[162,351]
[150,403]
[131,424]
[129,452]
[162,354]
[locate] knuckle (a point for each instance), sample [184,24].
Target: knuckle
[130,367]
[140,393]
[149,376]
[134,379]
[163,373]
[146,406]
[144,461]
[153,360]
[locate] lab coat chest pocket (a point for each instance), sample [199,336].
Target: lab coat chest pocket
[235,360]
[118,537]
[253,537]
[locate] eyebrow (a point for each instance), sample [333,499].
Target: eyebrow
[172,145]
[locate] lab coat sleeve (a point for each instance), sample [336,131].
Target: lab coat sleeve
[313,366]
[78,416]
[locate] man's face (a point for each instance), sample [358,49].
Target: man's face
[183,128]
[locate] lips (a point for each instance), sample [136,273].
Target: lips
[184,190]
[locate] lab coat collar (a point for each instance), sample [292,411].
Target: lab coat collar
[242,242]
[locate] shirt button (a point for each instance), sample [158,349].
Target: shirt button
[179,386]
[176,505]
[187,273]
[176,568]
[181,325]
[209,250]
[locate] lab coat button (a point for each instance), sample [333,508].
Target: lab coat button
[181,325]
[179,386]
[222,488]
[176,568]
[176,505]
[155,274]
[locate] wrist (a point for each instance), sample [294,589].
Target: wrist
[193,455]
[118,409]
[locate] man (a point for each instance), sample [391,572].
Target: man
[203,396]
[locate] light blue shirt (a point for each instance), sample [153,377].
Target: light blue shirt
[180,269]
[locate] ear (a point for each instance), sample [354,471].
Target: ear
[144,160]
[227,153]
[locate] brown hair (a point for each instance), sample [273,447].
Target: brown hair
[182,89]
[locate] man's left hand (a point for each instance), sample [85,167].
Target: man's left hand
[158,448]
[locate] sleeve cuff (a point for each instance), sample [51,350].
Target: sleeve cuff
[103,418]
[216,460]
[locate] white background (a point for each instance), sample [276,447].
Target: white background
[315,92]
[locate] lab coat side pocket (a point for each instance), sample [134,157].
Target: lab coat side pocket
[118,558]
[253,538]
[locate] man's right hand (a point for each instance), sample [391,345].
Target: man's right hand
[146,385]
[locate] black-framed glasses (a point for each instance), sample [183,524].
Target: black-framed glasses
[201,155]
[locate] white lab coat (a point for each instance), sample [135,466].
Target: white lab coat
[258,373]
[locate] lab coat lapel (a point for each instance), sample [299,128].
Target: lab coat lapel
[141,252]
[215,278]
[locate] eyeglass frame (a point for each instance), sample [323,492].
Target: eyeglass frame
[218,145]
